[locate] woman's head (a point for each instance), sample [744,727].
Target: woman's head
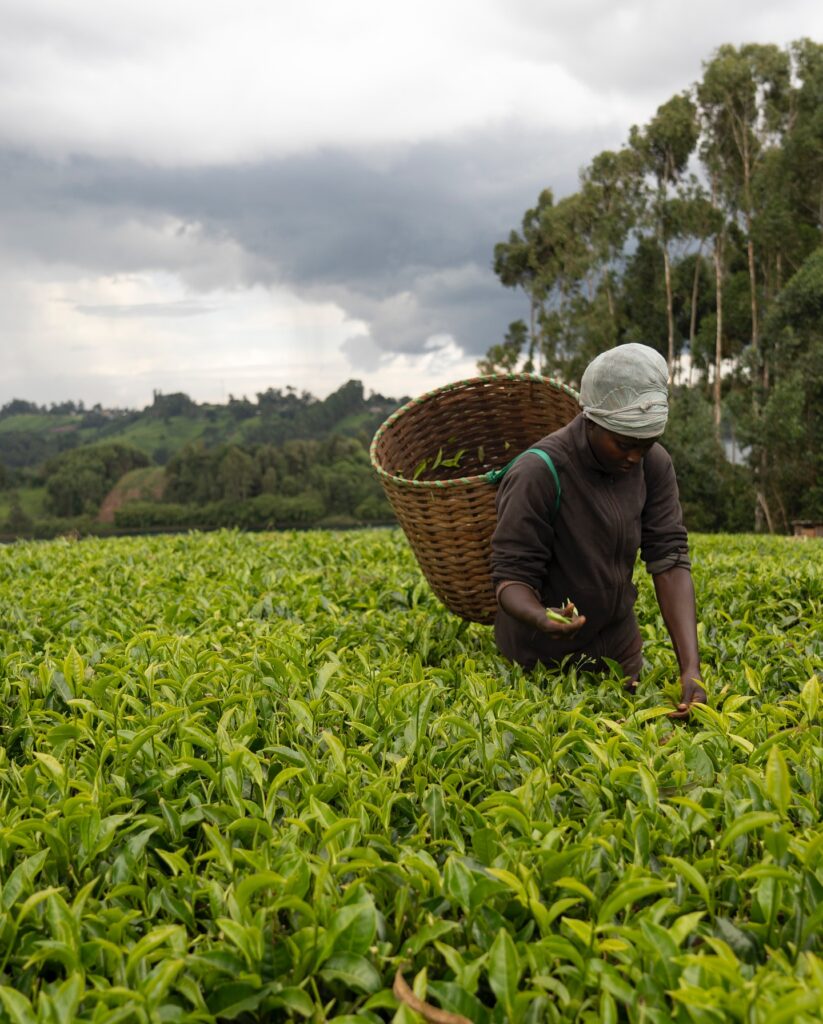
[617,453]
[626,392]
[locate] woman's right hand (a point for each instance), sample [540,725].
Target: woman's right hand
[552,625]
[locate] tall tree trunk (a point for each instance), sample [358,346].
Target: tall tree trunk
[763,507]
[747,199]
[667,268]
[782,510]
[610,301]
[718,341]
[753,291]
[695,284]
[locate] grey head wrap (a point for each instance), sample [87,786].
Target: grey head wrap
[626,390]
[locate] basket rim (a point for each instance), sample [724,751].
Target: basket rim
[460,481]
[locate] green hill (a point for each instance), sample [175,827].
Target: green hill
[30,435]
[285,459]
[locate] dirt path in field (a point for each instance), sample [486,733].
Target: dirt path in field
[149,490]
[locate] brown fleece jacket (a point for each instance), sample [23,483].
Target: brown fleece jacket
[589,552]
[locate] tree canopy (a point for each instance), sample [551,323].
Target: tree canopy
[701,237]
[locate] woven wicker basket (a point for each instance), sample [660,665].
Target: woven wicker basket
[448,512]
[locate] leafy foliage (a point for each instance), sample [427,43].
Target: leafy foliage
[789,429]
[299,483]
[78,480]
[247,777]
[709,266]
[716,496]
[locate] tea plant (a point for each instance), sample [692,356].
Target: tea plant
[250,778]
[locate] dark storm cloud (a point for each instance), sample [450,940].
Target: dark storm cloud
[401,238]
[333,217]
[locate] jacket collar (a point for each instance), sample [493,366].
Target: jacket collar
[582,448]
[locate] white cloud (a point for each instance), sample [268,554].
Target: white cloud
[115,339]
[199,80]
[441,361]
[193,81]
[172,244]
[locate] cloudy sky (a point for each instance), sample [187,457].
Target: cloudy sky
[219,197]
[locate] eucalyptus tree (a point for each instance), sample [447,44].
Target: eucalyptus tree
[525,261]
[611,196]
[700,221]
[744,99]
[664,147]
[803,144]
[787,183]
[788,432]
[778,235]
[505,356]
[567,258]
[546,259]
[584,236]
[578,318]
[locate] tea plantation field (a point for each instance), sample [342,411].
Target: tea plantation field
[248,777]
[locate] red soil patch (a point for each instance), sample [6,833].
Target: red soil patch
[143,490]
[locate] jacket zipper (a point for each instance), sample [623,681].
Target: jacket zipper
[618,579]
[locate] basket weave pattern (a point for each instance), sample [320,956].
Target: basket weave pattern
[448,513]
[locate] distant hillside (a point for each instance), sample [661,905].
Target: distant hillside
[284,460]
[30,434]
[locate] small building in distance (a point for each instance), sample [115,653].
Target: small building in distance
[806,528]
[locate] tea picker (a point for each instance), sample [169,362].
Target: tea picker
[618,496]
[505,525]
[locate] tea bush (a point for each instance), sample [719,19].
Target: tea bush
[248,777]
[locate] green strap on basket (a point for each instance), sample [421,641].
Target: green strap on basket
[494,476]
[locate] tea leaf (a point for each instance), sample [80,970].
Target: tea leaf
[778,786]
[746,823]
[810,698]
[354,971]
[504,969]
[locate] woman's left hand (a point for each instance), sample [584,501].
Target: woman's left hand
[691,692]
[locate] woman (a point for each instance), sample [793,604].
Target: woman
[618,496]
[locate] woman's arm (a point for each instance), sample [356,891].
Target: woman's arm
[675,595]
[521,602]
[523,538]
